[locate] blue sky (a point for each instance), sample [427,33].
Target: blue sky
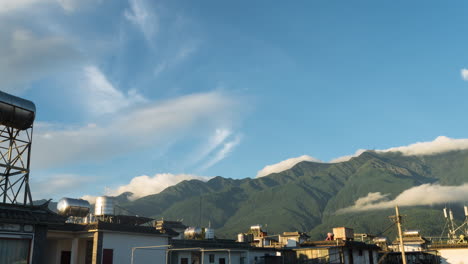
[173,90]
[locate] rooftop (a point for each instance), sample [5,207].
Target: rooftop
[336,243]
[29,214]
[105,226]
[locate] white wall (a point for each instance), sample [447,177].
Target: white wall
[122,244]
[235,256]
[454,256]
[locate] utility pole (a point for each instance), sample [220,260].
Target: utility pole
[400,234]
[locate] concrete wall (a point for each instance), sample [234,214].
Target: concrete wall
[122,244]
[250,257]
[53,250]
[334,254]
[453,256]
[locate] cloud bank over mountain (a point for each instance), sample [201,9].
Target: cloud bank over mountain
[426,194]
[145,185]
[284,165]
[440,144]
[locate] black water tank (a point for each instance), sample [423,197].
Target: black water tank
[16,112]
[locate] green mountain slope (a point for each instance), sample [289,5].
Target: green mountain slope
[307,196]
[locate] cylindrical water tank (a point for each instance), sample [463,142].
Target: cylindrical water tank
[16,112]
[73,207]
[104,206]
[209,233]
[192,232]
[240,237]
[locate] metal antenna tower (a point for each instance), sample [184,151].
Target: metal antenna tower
[16,127]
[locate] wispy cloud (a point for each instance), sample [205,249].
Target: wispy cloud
[101,97]
[7,6]
[284,165]
[219,136]
[27,57]
[150,125]
[180,56]
[141,15]
[146,185]
[227,148]
[44,188]
[426,194]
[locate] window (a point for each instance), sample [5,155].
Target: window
[242,260]
[107,256]
[222,261]
[212,258]
[184,261]
[14,250]
[65,257]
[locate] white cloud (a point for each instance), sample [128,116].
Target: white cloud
[11,5]
[139,128]
[426,194]
[26,57]
[101,96]
[141,15]
[44,188]
[145,185]
[90,198]
[73,5]
[182,54]
[348,157]
[439,145]
[227,148]
[464,74]
[284,165]
[7,6]
[216,139]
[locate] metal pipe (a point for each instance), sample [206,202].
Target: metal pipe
[148,247]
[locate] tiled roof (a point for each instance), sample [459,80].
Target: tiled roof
[29,214]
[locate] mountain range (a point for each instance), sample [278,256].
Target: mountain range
[308,197]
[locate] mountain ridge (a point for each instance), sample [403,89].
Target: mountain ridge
[306,196]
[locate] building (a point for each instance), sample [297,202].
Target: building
[451,253]
[412,241]
[103,242]
[420,257]
[220,251]
[292,239]
[23,232]
[337,251]
[173,228]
